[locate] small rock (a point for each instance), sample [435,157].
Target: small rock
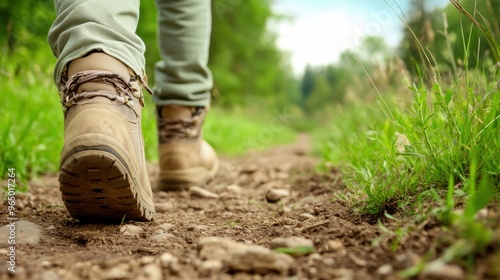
[386,269]
[334,246]
[234,189]
[357,260]
[197,227]
[275,195]
[343,273]
[151,272]
[147,260]
[291,242]
[249,168]
[200,192]
[482,214]
[164,206]
[131,230]
[46,264]
[165,237]
[328,261]
[443,271]
[315,257]
[120,271]
[407,259]
[166,226]
[313,270]
[210,266]
[49,275]
[51,227]
[24,232]
[167,259]
[304,217]
[239,257]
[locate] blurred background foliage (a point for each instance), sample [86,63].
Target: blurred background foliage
[247,65]
[250,71]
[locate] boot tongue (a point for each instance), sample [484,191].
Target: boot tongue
[177,112]
[93,86]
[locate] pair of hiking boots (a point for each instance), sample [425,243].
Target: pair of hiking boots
[103,174]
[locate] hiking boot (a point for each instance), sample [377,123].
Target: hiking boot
[103,172]
[185,158]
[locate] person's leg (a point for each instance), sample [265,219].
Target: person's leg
[182,93]
[182,76]
[107,26]
[99,73]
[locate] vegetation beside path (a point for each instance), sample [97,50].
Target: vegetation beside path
[414,130]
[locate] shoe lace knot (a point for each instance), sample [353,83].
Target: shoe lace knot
[181,128]
[125,90]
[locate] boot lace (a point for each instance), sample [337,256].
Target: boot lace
[182,128]
[124,90]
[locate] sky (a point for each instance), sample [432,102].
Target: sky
[319,30]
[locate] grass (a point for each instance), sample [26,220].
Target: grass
[436,158]
[427,160]
[392,156]
[31,123]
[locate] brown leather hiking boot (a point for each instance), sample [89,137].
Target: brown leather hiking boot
[103,172]
[185,158]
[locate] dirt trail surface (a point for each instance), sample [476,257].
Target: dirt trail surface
[225,230]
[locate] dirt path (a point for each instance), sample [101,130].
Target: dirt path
[175,246]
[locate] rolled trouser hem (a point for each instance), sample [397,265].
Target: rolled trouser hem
[62,64]
[191,103]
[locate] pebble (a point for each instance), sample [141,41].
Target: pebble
[482,214]
[291,242]
[120,271]
[166,226]
[275,195]
[334,246]
[444,271]
[151,272]
[407,259]
[386,269]
[49,275]
[239,257]
[305,216]
[147,260]
[328,262]
[46,264]
[164,206]
[210,266]
[25,233]
[249,168]
[165,237]
[131,230]
[200,192]
[169,261]
[357,260]
[234,189]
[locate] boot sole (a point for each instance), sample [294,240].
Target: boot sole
[197,177]
[96,184]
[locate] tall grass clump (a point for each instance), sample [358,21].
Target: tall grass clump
[397,155]
[31,119]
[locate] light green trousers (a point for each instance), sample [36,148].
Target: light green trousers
[181,77]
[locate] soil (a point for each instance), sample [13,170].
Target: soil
[346,245]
